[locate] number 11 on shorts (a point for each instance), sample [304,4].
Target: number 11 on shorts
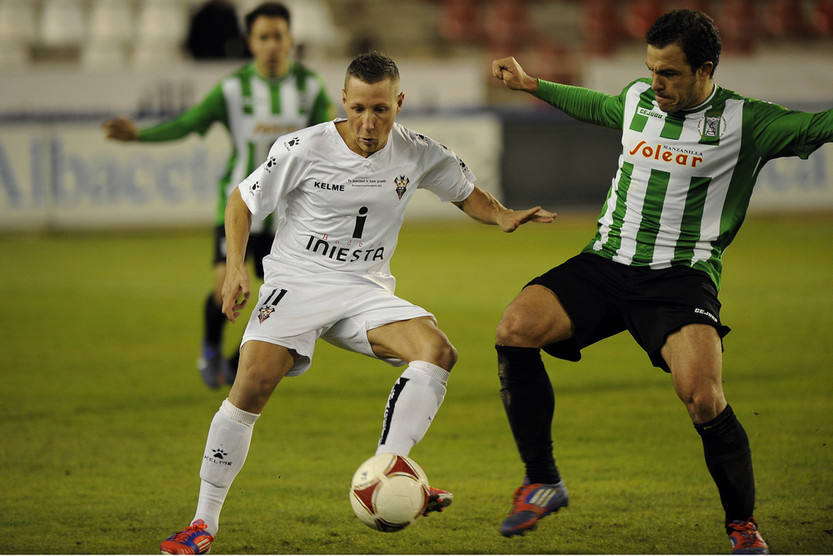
[277,299]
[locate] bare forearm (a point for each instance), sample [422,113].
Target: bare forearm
[481,206]
[238,220]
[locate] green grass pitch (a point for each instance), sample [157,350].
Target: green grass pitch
[103,415]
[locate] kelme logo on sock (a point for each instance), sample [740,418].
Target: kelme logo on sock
[218,455]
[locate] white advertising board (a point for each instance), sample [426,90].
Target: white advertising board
[68,176]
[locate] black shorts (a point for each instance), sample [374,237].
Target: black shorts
[258,247]
[603,298]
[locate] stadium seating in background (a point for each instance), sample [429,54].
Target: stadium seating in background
[739,25]
[785,19]
[600,26]
[461,21]
[507,26]
[821,17]
[640,15]
[554,61]
[160,33]
[313,29]
[17,32]
[699,5]
[111,32]
[62,28]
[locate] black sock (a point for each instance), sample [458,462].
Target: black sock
[214,320]
[530,403]
[729,460]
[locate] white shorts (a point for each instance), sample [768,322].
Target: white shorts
[294,310]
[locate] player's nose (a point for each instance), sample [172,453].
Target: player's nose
[656,83]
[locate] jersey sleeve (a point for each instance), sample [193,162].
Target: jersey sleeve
[270,182]
[584,104]
[197,119]
[777,131]
[446,175]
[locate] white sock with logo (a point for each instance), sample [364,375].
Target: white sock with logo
[413,402]
[225,451]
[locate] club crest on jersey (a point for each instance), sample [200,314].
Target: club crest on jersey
[712,126]
[401,185]
[264,312]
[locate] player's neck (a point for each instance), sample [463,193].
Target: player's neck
[349,139]
[706,93]
[264,71]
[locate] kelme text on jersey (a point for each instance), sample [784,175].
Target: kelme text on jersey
[329,186]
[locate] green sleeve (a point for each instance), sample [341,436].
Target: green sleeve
[584,104]
[322,108]
[777,131]
[196,119]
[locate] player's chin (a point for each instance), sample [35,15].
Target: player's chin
[667,105]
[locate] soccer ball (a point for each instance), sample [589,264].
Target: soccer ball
[389,492]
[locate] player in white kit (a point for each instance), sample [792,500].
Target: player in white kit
[341,189]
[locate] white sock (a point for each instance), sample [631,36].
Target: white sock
[225,451]
[413,402]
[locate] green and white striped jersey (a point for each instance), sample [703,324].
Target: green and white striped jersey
[684,179]
[256,111]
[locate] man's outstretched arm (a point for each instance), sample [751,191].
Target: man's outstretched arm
[483,207]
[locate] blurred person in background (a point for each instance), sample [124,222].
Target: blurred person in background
[692,153]
[214,32]
[342,188]
[266,98]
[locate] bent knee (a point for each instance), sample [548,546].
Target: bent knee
[703,403]
[441,353]
[257,378]
[520,329]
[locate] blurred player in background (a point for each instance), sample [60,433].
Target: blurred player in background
[692,152]
[341,188]
[270,96]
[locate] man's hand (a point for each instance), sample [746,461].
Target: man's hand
[235,291]
[513,75]
[509,220]
[121,129]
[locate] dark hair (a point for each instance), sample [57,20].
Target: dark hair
[372,67]
[695,33]
[267,9]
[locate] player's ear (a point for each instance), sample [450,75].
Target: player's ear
[706,70]
[344,97]
[399,100]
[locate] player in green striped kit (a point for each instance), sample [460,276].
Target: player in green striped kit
[691,152]
[269,97]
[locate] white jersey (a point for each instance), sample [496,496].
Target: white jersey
[340,211]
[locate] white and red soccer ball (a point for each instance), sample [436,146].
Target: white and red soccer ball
[389,492]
